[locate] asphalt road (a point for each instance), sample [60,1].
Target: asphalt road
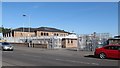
[24,56]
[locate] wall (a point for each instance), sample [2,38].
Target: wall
[69,43]
[24,34]
[51,33]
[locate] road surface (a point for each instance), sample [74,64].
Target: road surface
[24,56]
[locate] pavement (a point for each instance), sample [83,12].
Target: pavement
[26,56]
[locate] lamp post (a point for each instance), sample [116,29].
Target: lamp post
[23,23]
[29,20]
[52,42]
[78,45]
[11,32]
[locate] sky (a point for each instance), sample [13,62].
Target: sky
[77,17]
[60,1]
[0,13]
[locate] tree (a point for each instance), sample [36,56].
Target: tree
[4,30]
[0,30]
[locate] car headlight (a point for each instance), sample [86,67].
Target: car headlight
[5,47]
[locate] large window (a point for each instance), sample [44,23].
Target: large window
[71,41]
[41,34]
[57,34]
[68,41]
[47,34]
[44,34]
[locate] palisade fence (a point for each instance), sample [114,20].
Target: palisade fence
[85,42]
[89,42]
[51,42]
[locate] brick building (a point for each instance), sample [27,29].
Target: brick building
[44,36]
[35,32]
[70,41]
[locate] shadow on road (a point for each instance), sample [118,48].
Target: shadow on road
[92,56]
[72,49]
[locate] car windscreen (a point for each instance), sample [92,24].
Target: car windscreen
[99,45]
[5,44]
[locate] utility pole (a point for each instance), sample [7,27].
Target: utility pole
[2,31]
[11,32]
[23,23]
[53,42]
[78,45]
[29,20]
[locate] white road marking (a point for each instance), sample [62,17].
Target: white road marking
[29,55]
[90,58]
[77,62]
[111,60]
[101,59]
[94,63]
[67,60]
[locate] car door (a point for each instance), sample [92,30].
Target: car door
[111,52]
[115,52]
[119,52]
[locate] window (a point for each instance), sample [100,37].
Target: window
[107,47]
[71,41]
[5,43]
[55,34]
[44,34]
[68,41]
[115,47]
[118,47]
[112,47]
[21,34]
[47,34]
[41,34]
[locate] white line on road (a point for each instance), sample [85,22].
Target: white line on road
[102,59]
[77,62]
[67,60]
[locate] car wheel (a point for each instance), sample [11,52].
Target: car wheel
[102,55]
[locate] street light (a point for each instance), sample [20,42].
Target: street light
[53,41]
[23,23]
[29,19]
[11,32]
[78,42]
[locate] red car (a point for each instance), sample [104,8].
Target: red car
[108,51]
